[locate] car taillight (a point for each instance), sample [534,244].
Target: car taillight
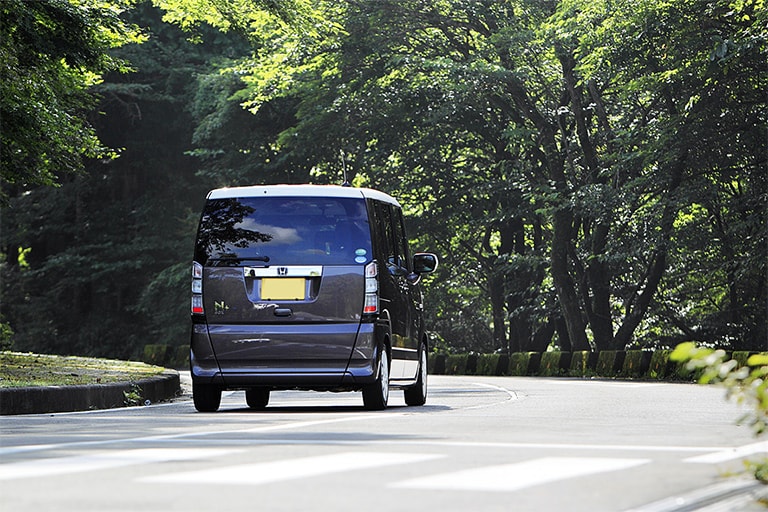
[197,289]
[371,305]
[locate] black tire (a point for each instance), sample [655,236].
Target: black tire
[257,398]
[417,394]
[207,398]
[376,394]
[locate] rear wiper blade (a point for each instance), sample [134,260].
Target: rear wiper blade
[235,260]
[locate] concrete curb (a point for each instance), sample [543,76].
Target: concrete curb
[727,496]
[48,399]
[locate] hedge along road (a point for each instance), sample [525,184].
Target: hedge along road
[480,443]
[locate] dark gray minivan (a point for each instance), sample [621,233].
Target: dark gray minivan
[306,287]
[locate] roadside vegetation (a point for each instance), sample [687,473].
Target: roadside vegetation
[746,384]
[22,370]
[590,172]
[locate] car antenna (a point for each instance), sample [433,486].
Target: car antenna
[344,169]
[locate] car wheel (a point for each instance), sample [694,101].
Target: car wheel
[257,398]
[207,398]
[376,394]
[417,394]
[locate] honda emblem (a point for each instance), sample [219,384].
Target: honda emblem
[282,271]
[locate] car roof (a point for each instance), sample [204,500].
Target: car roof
[300,191]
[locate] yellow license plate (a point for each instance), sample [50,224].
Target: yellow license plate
[283,288]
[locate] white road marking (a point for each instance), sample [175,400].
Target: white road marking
[560,446]
[192,435]
[469,444]
[100,461]
[513,477]
[511,395]
[290,469]
[727,454]
[711,454]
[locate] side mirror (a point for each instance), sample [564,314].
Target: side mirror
[424,262]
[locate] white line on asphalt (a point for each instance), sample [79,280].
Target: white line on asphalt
[166,437]
[513,477]
[290,469]
[511,395]
[320,441]
[713,454]
[562,446]
[726,454]
[101,461]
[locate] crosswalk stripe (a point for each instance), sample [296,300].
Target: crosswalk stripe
[513,477]
[295,425]
[106,460]
[505,477]
[290,469]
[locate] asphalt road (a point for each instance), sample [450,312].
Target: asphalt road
[480,444]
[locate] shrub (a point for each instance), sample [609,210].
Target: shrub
[437,364]
[181,358]
[471,367]
[741,357]
[456,364]
[610,362]
[580,364]
[747,384]
[636,363]
[660,365]
[554,363]
[155,354]
[534,363]
[518,363]
[502,368]
[6,335]
[487,364]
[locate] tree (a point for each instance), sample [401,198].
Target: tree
[690,117]
[52,52]
[530,124]
[107,268]
[591,173]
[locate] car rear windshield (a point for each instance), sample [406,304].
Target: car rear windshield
[284,231]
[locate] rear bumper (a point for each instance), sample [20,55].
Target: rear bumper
[293,380]
[318,356]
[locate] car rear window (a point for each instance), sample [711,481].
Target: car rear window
[284,231]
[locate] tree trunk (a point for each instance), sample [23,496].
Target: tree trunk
[496,292]
[598,278]
[638,305]
[564,286]
[553,161]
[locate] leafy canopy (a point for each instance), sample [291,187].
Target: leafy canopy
[52,52]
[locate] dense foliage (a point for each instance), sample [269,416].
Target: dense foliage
[51,53]
[746,383]
[592,173]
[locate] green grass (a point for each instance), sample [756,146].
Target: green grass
[20,370]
